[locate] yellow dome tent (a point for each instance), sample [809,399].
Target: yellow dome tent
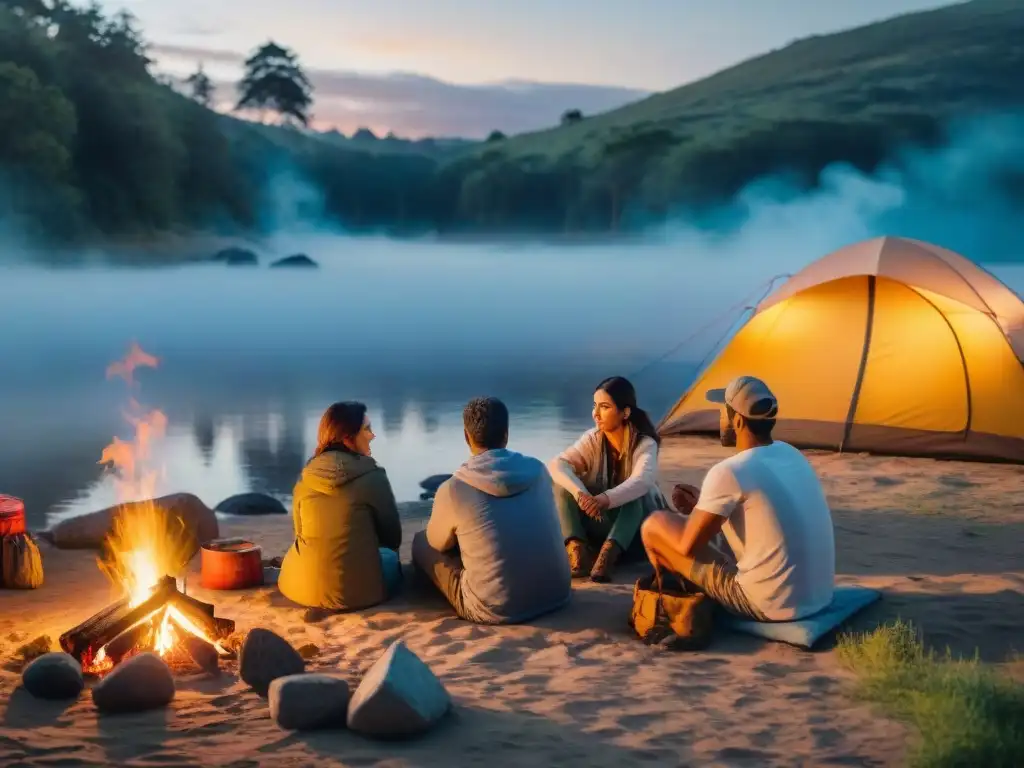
[887,346]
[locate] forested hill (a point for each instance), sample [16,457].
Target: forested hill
[92,144]
[848,97]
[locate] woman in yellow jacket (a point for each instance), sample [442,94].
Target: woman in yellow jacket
[347,531]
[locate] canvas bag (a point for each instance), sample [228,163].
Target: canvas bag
[666,613]
[21,562]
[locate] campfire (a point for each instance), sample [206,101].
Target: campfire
[144,556]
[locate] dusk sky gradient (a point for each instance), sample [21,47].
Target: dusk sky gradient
[609,51]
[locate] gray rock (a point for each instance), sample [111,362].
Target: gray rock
[295,260]
[235,257]
[308,702]
[398,697]
[249,504]
[53,676]
[432,483]
[264,657]
[137,684]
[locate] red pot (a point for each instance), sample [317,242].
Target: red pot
[231,564]
[12,515]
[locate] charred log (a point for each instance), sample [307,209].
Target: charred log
[140,637]
[203,654]
[95,632]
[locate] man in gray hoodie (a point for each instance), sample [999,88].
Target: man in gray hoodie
[493,544]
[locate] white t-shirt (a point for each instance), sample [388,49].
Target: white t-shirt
[779,526]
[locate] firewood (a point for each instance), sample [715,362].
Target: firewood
[202,653]
[140,636]
[111,612]
[198,604]
[195,611]
[98,630]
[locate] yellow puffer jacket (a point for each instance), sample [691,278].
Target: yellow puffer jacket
[344,512]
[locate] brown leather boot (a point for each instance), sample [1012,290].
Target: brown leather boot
[606,560]
[580,559]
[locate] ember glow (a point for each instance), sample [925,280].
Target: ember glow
[147,543]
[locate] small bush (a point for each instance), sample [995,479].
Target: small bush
[967,716]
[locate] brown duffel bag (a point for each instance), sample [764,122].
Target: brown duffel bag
[666,613]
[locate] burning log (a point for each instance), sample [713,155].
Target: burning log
[96,631]
[139,636]
[119,629]
[203,654]
[201,614]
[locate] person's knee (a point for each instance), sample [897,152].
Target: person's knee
[650,526]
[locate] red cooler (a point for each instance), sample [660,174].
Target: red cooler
[12,515]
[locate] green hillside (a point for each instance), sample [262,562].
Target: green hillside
[93,145]
[851,96]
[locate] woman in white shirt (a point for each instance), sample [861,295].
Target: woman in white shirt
[606,482]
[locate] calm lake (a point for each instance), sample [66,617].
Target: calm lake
[250,357]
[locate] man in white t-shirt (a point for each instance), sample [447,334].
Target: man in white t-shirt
[768,502]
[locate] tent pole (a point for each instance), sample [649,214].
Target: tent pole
[855,398]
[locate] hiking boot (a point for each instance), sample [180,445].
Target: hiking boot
[606,560]
[580,560]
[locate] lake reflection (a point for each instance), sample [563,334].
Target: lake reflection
[251,357]
[216,456]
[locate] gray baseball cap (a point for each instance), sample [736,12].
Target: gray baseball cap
[748,396]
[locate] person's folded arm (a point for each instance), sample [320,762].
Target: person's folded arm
[570,465]
[720,493]
[701,528]
[441,527]
[641,480]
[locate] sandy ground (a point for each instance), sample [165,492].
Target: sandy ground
[577,688]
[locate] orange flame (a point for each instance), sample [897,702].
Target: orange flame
[146,542]
[136,358]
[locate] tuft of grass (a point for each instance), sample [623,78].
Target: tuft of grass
[967,715]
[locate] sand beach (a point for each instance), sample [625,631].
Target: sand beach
[940,539]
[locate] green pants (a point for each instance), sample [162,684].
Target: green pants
[621,524]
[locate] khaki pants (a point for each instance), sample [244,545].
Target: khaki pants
[715,576]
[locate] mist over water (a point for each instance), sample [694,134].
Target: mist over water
[250,357]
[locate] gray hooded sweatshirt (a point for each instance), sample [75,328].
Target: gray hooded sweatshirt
[499,509]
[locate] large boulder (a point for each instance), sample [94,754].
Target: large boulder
[235,257]
[138,684]
[249,504]
[308,702]
[264,657]
[398,697]
[53,676]
[295,260]
[432,483]
[89,531]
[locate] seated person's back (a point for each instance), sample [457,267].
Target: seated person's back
[779,527]
[768,503]
[345,516]
[500,507]
[493,544]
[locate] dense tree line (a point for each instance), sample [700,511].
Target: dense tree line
[92,144]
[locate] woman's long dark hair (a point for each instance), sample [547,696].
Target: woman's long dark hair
[622,393]
[340,421]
